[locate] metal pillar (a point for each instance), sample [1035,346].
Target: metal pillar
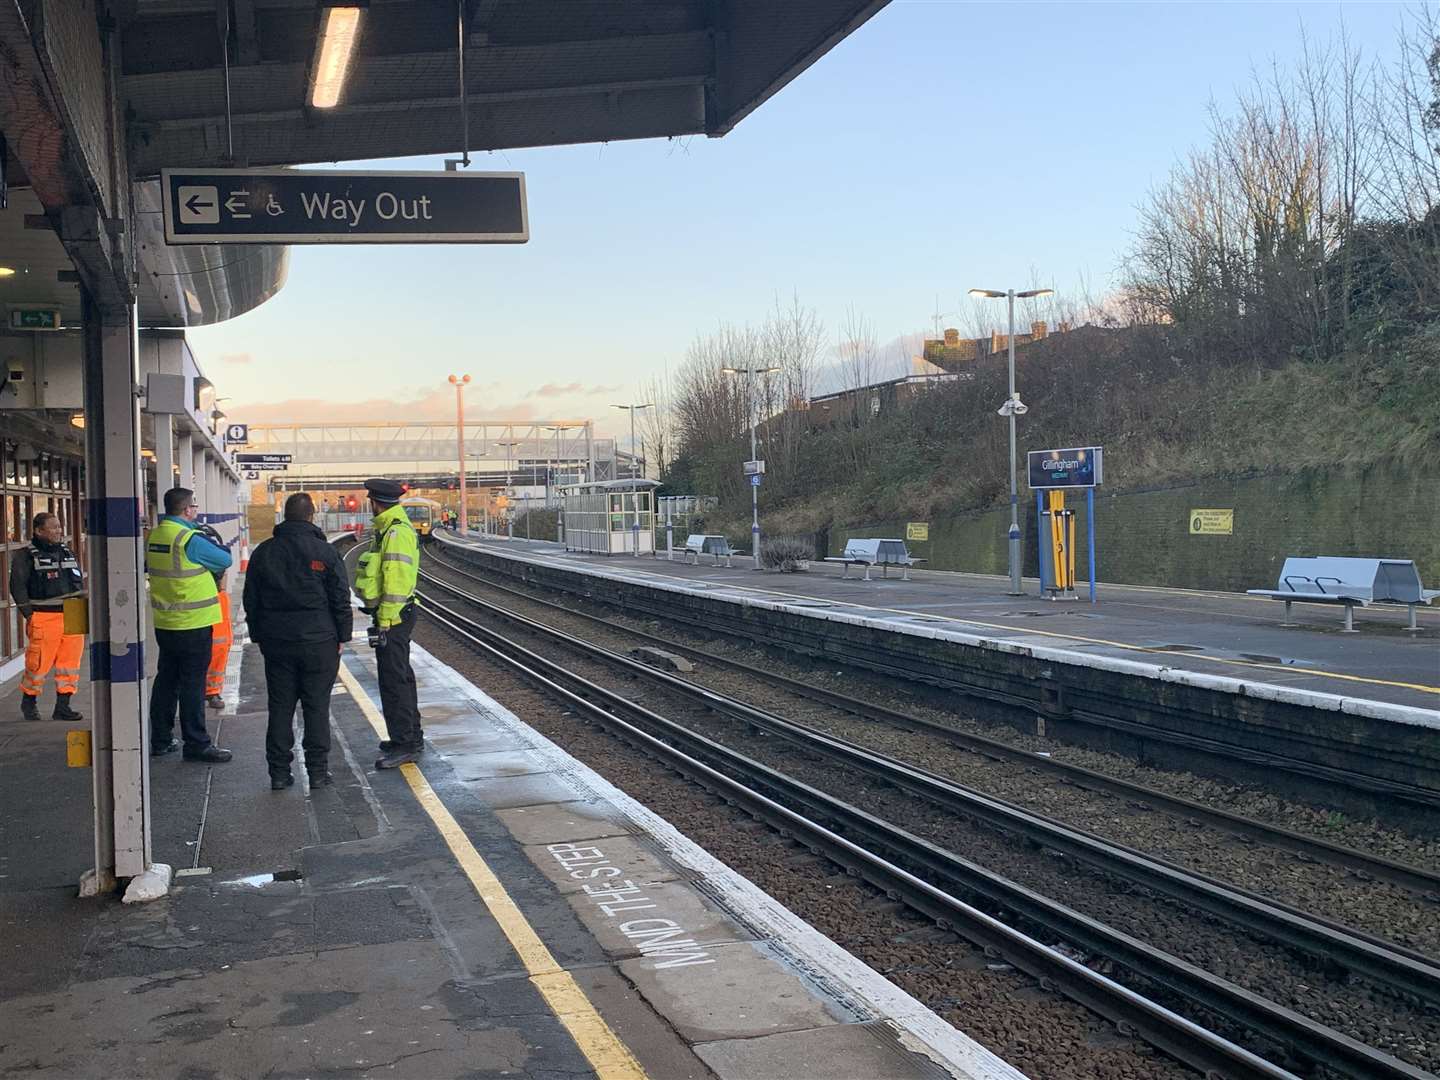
[1013,554]
[197,472]
[119,695]
[185,455]
[164,454]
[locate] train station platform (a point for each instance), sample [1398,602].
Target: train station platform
[1229,635]
[421,922]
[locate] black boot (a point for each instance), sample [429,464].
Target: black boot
[28,708]
[279,781]
[319,777]
[63,711]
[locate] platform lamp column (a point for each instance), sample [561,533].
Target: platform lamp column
[754,422]
[634,494]
[459,384]
[509,445]
[1012,408]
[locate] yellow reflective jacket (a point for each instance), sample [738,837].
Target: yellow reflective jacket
[182,592]
[386,575]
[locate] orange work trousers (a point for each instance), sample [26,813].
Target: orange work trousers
[51,649]
[222,633]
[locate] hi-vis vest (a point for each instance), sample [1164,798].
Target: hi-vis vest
[53,573]
[182,592]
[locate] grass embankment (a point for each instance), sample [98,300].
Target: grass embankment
[1161,420]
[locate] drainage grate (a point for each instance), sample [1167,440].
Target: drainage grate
[1177,648]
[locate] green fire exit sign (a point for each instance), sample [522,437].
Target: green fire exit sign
[35,319]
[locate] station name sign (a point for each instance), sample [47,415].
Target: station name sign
[323,206]
[1072,467]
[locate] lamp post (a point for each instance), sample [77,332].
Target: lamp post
[753,422]
[459,384]
[509,488]
[634,494]
[558,429]
[1012,408]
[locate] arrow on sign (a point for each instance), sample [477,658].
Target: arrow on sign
[236,204]
[194,205]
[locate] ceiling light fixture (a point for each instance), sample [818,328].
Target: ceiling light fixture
[77,420]
[338,36]
[7,271]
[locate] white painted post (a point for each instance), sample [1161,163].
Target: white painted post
[118,604]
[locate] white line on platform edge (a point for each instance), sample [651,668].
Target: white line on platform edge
[1355,706]
[920,1029]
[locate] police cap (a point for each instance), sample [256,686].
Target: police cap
[384,491]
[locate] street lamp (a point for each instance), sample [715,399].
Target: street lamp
[459,384]
[558,429]
[509,488]
[634,500]
[1012,408]
[753,421]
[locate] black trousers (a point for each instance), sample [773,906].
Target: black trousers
[303,673]
[180,680]
[397,684]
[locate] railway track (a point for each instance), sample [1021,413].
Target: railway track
[928,878]
[1406,876]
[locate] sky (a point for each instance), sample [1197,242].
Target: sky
[944,145]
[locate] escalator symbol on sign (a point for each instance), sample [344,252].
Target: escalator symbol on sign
[199,204]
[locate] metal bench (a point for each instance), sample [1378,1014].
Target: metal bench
[1332,579]
[697,544]
[876,552]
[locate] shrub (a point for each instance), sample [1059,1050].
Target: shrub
[786,553]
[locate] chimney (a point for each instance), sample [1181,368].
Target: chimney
[952,337]
[1038,330]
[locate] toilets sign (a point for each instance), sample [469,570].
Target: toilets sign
[286,206]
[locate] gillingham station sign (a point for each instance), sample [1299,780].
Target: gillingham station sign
[287,206]
[1072,467]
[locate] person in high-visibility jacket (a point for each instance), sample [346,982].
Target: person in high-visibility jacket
[223,635]
[181,566]
[41,577]
[385,580]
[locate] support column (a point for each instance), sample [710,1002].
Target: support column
[186,455]
[118,615]
[164,458]
[201,474]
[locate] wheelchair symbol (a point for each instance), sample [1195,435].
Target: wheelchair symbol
[273,208]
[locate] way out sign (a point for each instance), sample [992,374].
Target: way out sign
[323,206]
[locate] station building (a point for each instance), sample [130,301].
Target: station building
[98,97]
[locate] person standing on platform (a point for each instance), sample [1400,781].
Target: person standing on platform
[181,566]
[41,577]
[385,580]
[298,610]
[223,636]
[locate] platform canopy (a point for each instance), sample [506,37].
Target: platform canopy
[537,73]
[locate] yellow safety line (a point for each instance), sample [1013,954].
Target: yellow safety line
[1026,632]
[608,1056]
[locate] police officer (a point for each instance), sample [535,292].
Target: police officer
[181,565]
[385,580]
[298,610]
[41,576]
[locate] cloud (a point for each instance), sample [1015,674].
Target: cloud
[574,389]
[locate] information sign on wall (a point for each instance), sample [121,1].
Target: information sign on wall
[1212,522]
[1071,467]
[917,530]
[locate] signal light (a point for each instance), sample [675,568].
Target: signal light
[350,503]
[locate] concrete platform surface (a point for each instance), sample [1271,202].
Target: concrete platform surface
[1228,635]
[345,930]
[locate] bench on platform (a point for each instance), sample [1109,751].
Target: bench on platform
[697,544]
[870,552]
[1332,579]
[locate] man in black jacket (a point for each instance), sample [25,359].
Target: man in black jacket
[297,608]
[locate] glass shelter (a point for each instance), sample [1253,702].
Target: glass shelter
[612,517]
